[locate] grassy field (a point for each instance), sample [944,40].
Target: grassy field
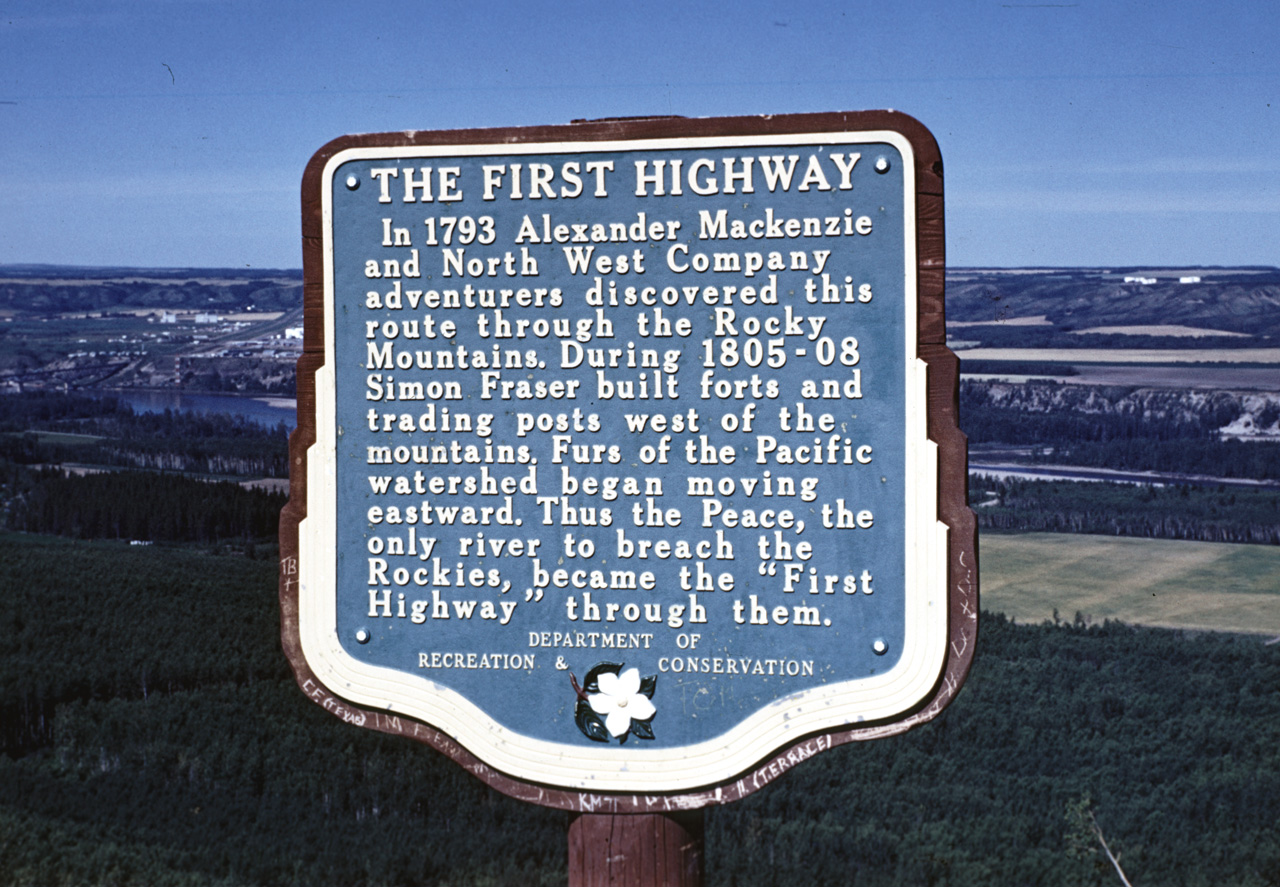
[1197,585]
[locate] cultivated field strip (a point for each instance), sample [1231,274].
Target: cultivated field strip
[1157,582]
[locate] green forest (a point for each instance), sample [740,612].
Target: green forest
[153,735]
[151,732]
[92,468]
[143,505]
[48,427]
[1211,513]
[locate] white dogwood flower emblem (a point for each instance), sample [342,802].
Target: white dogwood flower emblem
[620,701]
[614,701]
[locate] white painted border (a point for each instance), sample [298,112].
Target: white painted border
[610,768]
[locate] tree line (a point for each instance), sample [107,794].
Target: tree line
[143,505]
[1205,514]
[154,736]
[117,436]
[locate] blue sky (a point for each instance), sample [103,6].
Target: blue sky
[175,132]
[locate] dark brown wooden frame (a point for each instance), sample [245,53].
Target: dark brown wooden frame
[943,400]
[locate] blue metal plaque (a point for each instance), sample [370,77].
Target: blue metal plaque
[621,475]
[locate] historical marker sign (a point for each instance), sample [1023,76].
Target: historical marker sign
[627,461]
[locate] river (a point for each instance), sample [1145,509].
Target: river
[1072,472]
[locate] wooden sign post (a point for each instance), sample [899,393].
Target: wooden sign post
[627,471]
